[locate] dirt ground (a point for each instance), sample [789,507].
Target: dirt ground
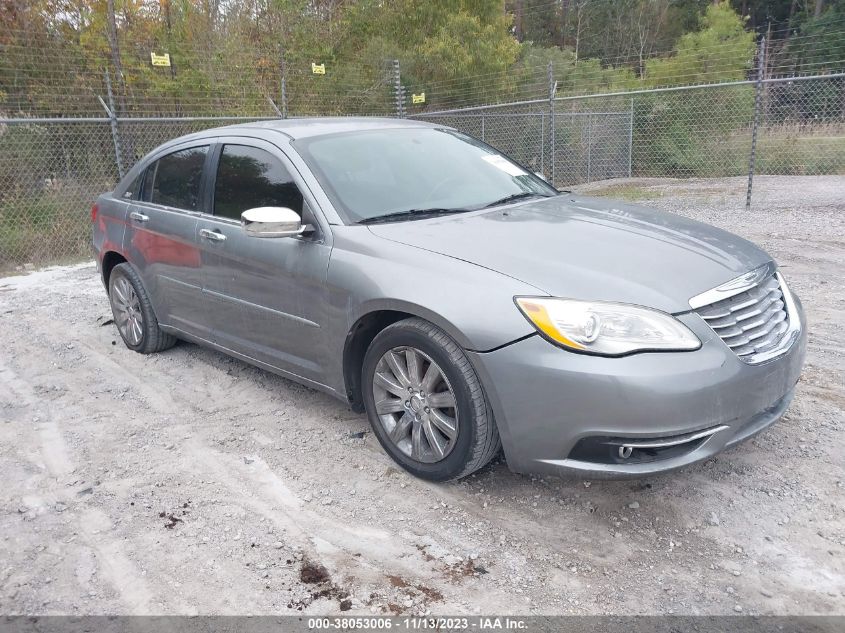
[190,483]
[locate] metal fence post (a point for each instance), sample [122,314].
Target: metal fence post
[283,83]
[483,131]
[552,86]
[115,134]
[589,144]
[398,90]
[275,108]
[542,143]
[761,65]
[631,141]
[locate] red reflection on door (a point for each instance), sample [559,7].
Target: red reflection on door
[157,249]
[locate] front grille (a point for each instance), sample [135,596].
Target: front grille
[752,322]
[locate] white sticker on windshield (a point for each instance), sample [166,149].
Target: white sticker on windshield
[505,165]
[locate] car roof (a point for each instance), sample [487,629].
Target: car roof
[293,128]
[297,128]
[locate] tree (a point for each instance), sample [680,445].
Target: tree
[721,50]
[685,126]
[114,48]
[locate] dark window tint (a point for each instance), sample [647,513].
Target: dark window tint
[147,184]
[174,180]
[248,177]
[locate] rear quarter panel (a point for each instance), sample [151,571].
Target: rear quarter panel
[109,226]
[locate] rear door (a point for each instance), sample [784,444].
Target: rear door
[161,237]
[266,295]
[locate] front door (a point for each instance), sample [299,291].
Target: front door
[266,295]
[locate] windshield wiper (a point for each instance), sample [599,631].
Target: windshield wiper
[515,197]
[417,214]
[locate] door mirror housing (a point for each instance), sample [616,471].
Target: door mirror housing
[272,222]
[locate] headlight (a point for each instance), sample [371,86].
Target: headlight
[608,329]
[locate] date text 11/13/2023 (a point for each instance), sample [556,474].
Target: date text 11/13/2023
[479,623]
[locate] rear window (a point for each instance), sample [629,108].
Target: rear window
[174,180]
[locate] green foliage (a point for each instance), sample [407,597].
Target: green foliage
[781,18]
[538,22]
[28,223]
[722,50]
[694,133]
[828,49]
[686,127]
[573,76]
[449,49]
[229,57]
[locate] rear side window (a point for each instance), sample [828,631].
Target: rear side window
[248,177]
[174,180]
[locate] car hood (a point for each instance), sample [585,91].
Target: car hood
[589,248]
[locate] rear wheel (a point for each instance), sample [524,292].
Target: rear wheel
[133,312]
[425,402]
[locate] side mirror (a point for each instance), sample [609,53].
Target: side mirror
[272,222]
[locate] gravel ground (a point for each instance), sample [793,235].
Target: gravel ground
[187,482]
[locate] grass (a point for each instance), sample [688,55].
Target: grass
[43,227]
[791,149]
[793,152]
[629,193]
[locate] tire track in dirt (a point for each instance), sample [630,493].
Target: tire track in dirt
[367,553]
[370,554]
[115,565]
[247,450]
[51,445]
[110,559]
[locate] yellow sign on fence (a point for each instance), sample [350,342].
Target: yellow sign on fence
[160,60]
[318,69]
[420,98]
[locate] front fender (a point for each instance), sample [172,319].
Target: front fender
[367,274]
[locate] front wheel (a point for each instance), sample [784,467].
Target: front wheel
[425,402]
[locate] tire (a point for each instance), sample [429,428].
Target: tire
[133,313]
[450,432]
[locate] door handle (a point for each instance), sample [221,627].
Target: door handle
[139,217]
[214,236]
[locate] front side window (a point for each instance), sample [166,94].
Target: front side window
[134,189]
[379,173]
[174,180]
[248,177]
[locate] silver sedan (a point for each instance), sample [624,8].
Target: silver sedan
[457,298]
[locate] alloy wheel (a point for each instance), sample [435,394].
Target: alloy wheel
[127,311]
[415,404]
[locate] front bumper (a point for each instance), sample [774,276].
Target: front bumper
[546,400]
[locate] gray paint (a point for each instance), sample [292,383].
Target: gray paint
[590,248]
[644,395]
[288,304]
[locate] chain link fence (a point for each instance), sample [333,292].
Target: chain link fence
[567,147]
[51,169]
[686,132]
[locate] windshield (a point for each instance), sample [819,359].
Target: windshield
[376,173]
